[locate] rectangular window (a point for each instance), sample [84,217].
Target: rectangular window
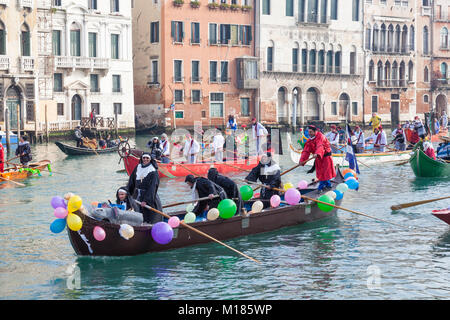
[26,45]
[75,44]
[116,86]
[178,70]
[212,33]
[225,33]
[57,82]
[374,103]
[92,4]
[179,114]
[94,83]
[304,60]
[117,108]
[294,60]
[60,109]
[196,96]
[266,7]
[213,71]
[155,71]
[96,108]
[195,33]
[224,71]
[179,96]
[269,58]
[355,108]
[92,44]
[289,8]
[216,104]
[355,10]
[177,31]
[234,34]
[115,6]
[154,32]
[57,3]
[245,107]
[245,35]
[334,108]
[56,42]
[301,10]
[115,46]
[195,71]
[334,9]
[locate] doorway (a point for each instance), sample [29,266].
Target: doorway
[76,107]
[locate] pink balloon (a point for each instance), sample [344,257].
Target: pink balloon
[60,212]
[275,201]
[302,185]
[174,222]
[350,178]
[292,196]
[99,233]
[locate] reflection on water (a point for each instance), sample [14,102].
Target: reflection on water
[327,259]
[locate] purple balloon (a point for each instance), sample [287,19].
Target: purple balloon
[58,202]
[162,233]
[292,196]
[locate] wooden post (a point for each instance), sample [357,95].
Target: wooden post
[115,124]
[8,141]
[46,123]
[18,125]
[35,124]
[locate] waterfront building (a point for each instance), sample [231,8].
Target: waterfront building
[312,61]
[194,61]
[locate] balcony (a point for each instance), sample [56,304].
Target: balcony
[303,69]
[63,62]
[26,64]
[4,63]
[314,19]
[391,84]
[25,3]
[426,11]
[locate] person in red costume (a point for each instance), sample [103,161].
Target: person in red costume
[2,156]
[319,146]
[429,150]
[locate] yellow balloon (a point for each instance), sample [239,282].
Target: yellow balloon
[74,203]
[288,186]
[74,222]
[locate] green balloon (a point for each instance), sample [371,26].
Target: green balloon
[227,208]
[246,193]
[327,199]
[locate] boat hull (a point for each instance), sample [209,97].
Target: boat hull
[74,151]
[17,175]
[443,215]
[424,166]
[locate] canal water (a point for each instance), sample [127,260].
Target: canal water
[345,256]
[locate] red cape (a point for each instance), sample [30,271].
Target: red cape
[324,165]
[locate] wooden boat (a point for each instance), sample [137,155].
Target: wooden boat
[15,173]
[443,214]
[84,243]
[172,170]
[438,137]
[75,151]
[367,158]
[424,166]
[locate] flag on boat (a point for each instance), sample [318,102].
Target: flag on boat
[351,156]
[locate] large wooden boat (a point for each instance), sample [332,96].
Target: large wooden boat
[367,158]
[84,243]
[424,166]
[18,172]
[75,151]
[172,170]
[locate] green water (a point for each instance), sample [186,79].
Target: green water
[345,256]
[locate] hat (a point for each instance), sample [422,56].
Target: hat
[244,126]
[380,128]
[253,119]
[357,127]
[146,155]
[313,127]
[333,126]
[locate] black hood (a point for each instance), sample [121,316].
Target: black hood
[152,161]
[212,174]
[122,188]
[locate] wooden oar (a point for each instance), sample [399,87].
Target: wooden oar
[199,232]
[416,203]
[187,202]
[195,174]
[12,159]
[230,165]
[402,163]
[19,184]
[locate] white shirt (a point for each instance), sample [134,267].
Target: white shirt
[165,145]
[333,137]
[260,130]
[141,173]
[188,150]
[374,136]
[218,142]
[360,142]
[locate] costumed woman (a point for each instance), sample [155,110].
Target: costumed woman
[230,187]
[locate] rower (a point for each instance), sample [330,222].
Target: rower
[268,172]
[155,148]
[230,187]
[191,149]
[429,150]
[202,188]
[399,138]
[165,147]
[333,138]
[143,185]
[360,143]
[379,136]
[78,136]
[24,151]
[419,128]
[217,145]
[320,147]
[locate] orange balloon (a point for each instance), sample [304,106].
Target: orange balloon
[347,171]
[94,204]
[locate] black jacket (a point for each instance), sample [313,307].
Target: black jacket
[204,188]
[273,181]
[128,201]
[228,185]
[26,150]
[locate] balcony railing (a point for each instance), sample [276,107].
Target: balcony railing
[25,3]
[26,64]
[4,63]
[81,62]
[312,69]
[402,83]
[61,125]
[313,18]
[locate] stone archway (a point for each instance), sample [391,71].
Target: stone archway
[441,105]
[13,103]
[282,107]
[312,111]
[77,103]
[344,106]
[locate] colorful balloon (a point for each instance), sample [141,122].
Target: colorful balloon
[352,184]
[324,207]
[162,232]
[275,201]
[349,170]
[57,202]
[99,233]
[174,222]
[227,208]
[74,203]
[332,194]
[213,214]
[246,192]
[339,195]
[190,207]
[342,187]
[302,184]
[68,195]
[58,225]
[189,217]
[60,212]
[257,206]
[349,174]
[292,196]
[288,186]
[74,222]
[350,178]
[126,231]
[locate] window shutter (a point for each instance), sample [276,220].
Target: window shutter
[172,30]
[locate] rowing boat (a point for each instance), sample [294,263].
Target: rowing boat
[17,173]
[171,170]
[84,243]
[75,151]
[424,166]
[367,158]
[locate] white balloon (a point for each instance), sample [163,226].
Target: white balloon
[257,206]
[190,207]
[190,217]
[213,214]
[331,194]
[126,231]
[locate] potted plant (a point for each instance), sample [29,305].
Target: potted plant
[195,3]
[178,3]
[224,6]
[246,8]
[213,5]
[235,7]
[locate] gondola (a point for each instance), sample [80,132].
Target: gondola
[443,214]
[424,166]
[84,243]
[18,172]
[75,151]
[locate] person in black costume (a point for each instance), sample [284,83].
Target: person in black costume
[78,136]
[143,185]
[202,188]
[24,151]
[155,148]
[268,172]
[228,185]
[123,198]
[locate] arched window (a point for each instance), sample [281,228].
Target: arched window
[380,73]
[444,38]
[410,71]
[353,60]
[444,72]
[411,38]
[397,38]
[425,40]
[394,74]
[426,77]
[375,38]
[368,36]
[387,73]
[404,39]
[371,70]
[390,41]
[25,40]
[383,38]
[312,60]
[2,39]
